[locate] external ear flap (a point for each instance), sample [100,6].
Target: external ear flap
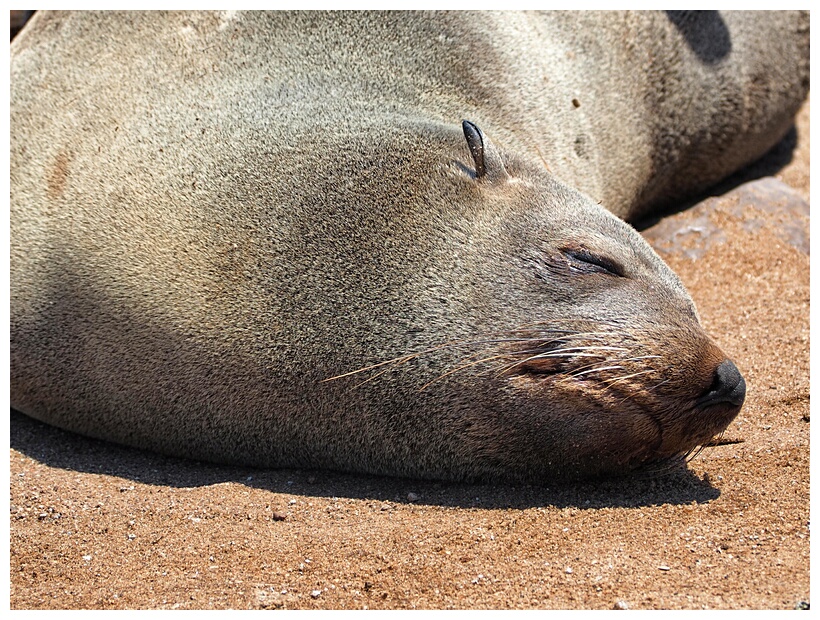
[488,164]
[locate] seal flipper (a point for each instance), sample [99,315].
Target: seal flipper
[488,164]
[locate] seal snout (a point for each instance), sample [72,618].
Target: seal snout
[728,387]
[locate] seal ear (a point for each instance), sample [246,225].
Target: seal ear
[488,164]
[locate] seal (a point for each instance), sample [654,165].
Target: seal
[268,238]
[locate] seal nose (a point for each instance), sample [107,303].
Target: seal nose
[728,386]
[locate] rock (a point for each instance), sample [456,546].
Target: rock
[764,204]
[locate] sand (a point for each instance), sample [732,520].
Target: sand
[94,525]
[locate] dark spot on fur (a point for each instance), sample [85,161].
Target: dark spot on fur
[58,175]
[581,146]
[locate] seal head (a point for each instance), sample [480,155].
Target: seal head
[580,352]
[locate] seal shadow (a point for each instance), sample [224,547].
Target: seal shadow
[705,32]
[772,162]
[61,449]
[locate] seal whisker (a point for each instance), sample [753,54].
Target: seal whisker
[591,348]
[397,360]
[571,352]
[462,367]
[404,358]
[378,374]
[624,378]
[604,360]
[694,452]
[567,353]
[551,354]
[640,358]
[627,360]
[601,369]
[543,327]
[648,390]
[447,345]
[657,385]
[591,369]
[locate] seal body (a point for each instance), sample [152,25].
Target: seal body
[266,239]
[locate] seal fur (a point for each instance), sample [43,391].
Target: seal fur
[264,238]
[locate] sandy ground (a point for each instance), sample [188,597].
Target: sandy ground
[93,525]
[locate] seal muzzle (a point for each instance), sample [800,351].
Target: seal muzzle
[728,387]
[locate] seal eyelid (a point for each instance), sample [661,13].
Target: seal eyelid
[584,260]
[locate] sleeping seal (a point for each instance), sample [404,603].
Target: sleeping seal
[269,239]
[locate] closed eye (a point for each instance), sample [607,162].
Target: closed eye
[586,262]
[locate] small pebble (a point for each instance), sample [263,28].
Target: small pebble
[412,497]
[279,516]
[132,536]
[568,570]
[621,605]
[663,567]
[315,593]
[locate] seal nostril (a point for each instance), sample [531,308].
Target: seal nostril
[728,386]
